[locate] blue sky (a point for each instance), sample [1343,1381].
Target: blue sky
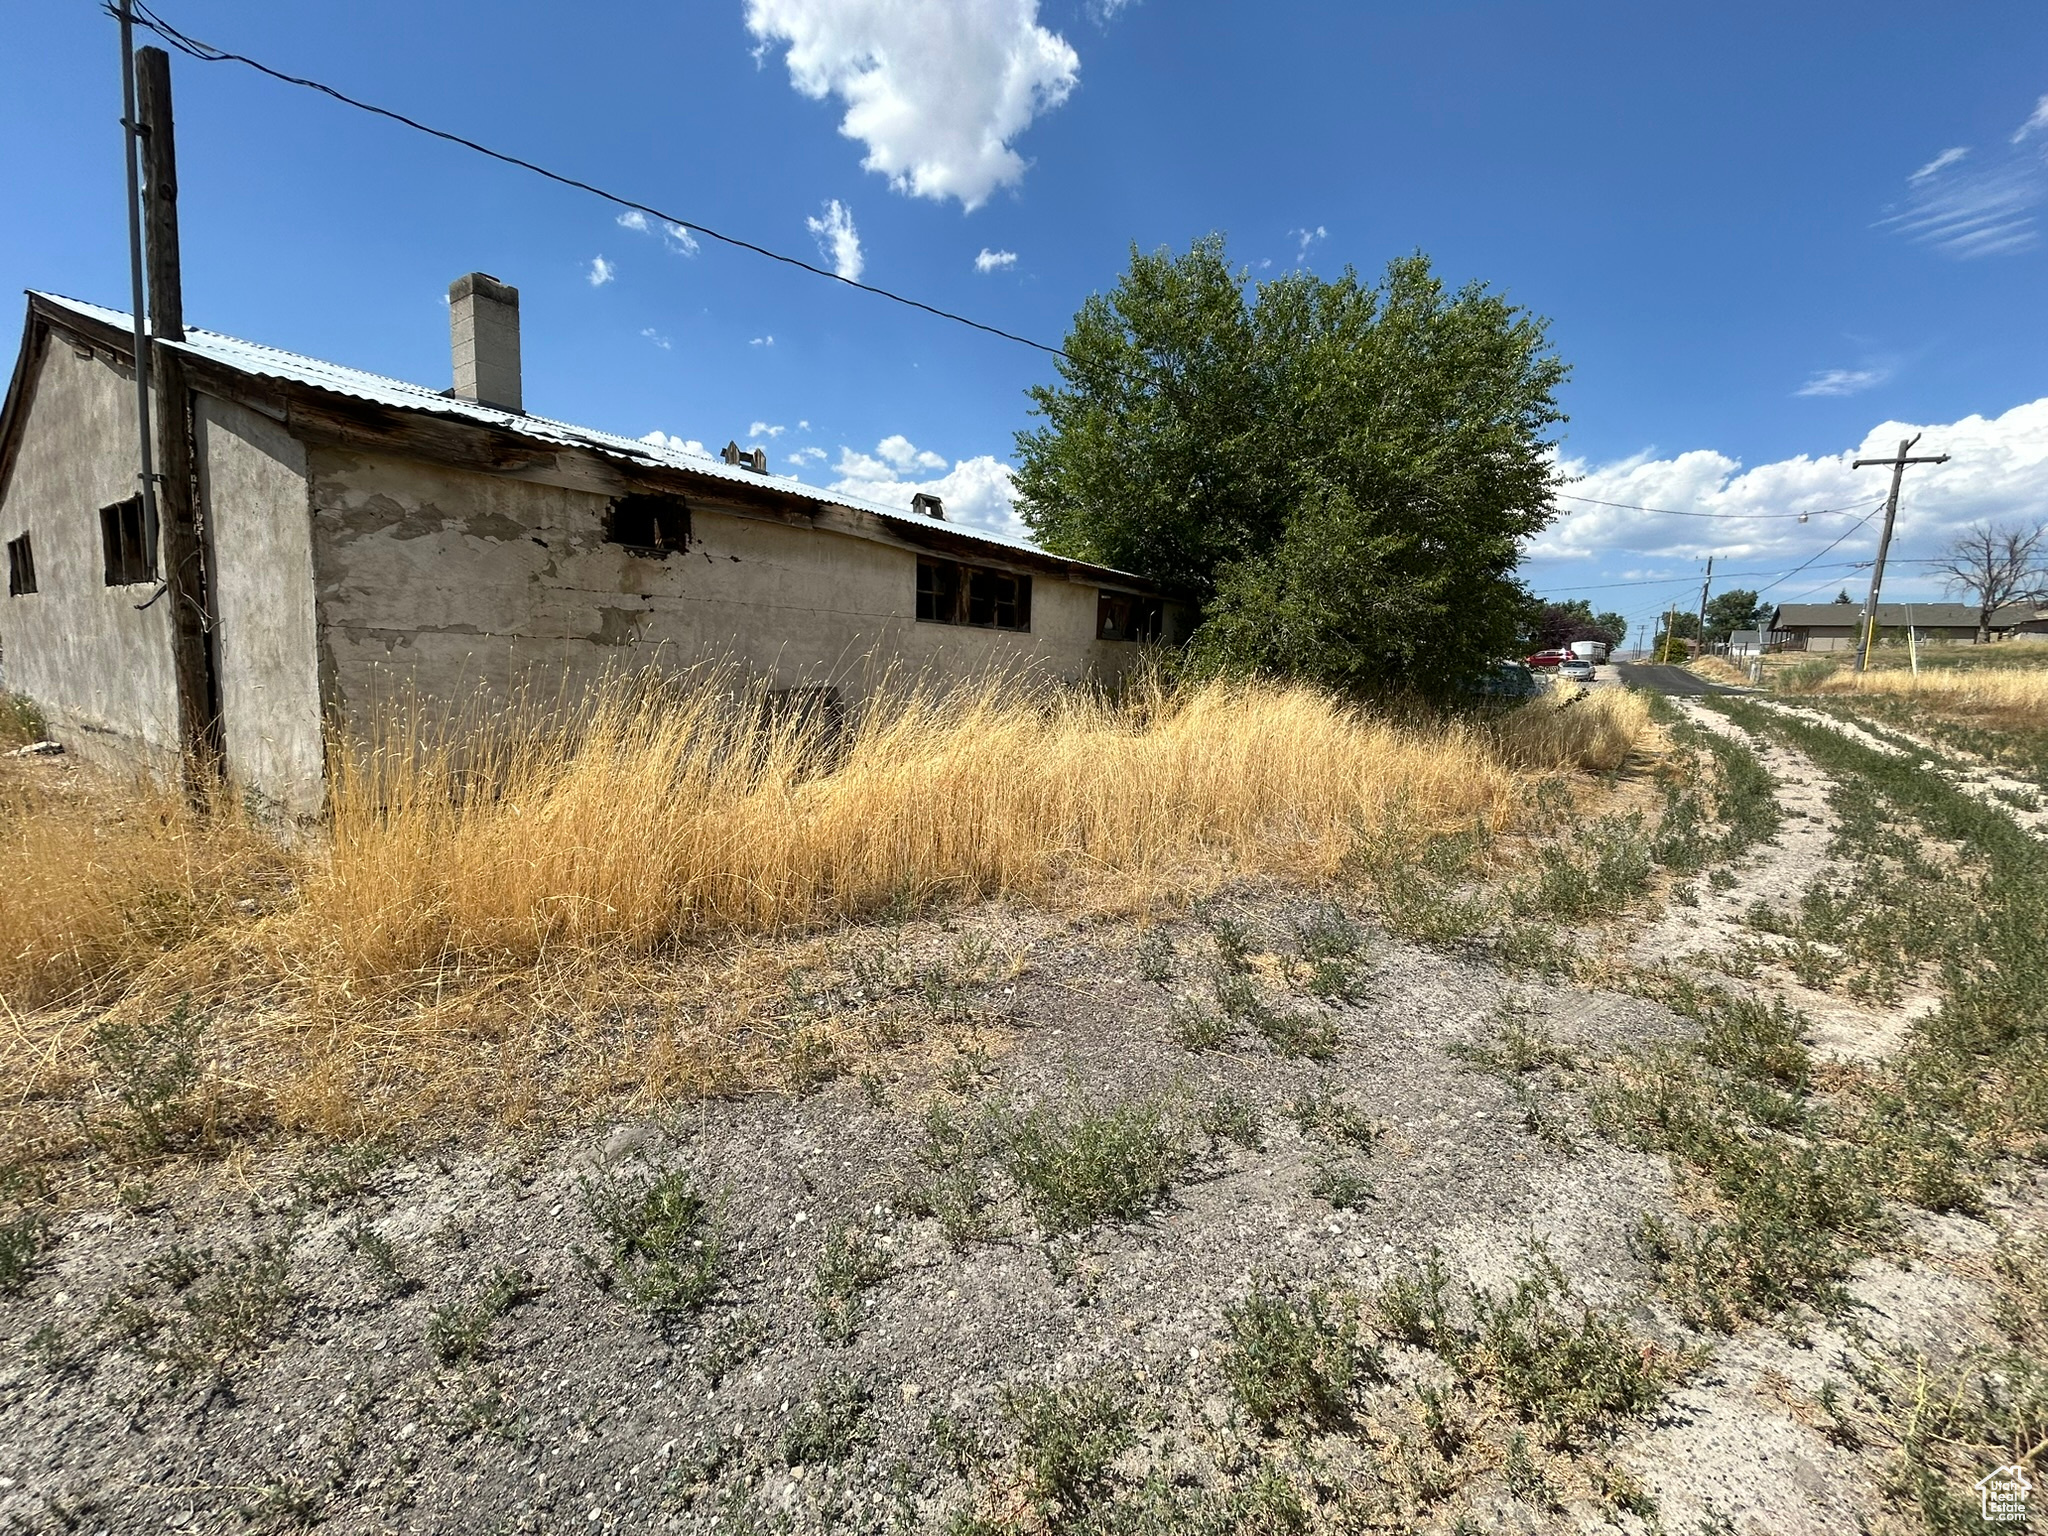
[1768,237]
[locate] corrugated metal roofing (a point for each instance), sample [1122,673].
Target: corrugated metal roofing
[273,362]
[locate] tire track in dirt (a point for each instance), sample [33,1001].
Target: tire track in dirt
[1981,781]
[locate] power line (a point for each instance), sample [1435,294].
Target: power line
[207,53]
[1746,517]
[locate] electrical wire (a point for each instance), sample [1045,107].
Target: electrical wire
[1745,517]
[209,54]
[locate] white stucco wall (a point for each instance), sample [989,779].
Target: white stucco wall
[445,579]
[253,485]
[98,668]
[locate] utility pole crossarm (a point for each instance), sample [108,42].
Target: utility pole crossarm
[1937,458]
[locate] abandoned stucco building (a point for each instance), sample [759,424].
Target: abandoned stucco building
[363,533]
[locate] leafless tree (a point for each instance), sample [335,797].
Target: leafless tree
[1997,566]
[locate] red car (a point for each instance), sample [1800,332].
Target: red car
[1550,658]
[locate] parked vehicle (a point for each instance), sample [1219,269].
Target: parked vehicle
[1507,681]
[1549,658]
[1594,651]
[1576,669]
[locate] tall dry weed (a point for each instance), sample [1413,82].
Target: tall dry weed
[544,909]
[670,810]
[97,880]
[2019,693]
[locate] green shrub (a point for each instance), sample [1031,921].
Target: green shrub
[1078,1166]
[662,1248]
[1294,1359]
[457,1332]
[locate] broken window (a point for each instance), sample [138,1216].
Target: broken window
[124,536]
[1120,616]
[951,593]
[21,567]
[648,525]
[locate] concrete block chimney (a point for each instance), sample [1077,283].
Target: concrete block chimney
[483,325]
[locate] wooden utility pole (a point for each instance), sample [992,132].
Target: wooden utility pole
[1866,632]
[1700,638]
[186,566]
[130,135]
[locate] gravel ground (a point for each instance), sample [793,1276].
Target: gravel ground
[362,1373]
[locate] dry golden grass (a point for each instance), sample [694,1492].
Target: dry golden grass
[2019,694]
[1718,669]
[508,919]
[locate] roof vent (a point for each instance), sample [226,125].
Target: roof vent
[926,504]
[757,460]
[483,325]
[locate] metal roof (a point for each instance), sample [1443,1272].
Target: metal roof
[254,358]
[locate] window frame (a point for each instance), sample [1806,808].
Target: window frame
[21,566]
[129,558]
[668,521]
[1129,616]
[972,596]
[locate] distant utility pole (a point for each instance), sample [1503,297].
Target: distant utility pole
[1703,605]
[1866,632]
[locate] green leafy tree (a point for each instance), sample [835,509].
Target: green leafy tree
[1673,631]
[1550,625]
[1338,473]
[1731,611]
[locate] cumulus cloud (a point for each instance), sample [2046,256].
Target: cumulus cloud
[1966,209]
[675,236]
[838,239]
[601,272]
[1843,381]
[656,337]
[1998,469]
[762,341]
[803,456]
[980,492]
[994,261]
[936,89]
[765,429]
[675,444]
[1304,238]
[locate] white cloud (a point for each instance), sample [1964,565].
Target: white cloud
[1305,238]
[936,89]
[675,444]
[1940,163]
[2037,121]
[980,492]
[838,239]
[803,456]
[656,337]
[1105,11]
[765,429]
[994,261]
[1998,469]
[1976,210]
[675,236]
[803,426]
[1843,381]
[899,452]
[762,341]
[601,272]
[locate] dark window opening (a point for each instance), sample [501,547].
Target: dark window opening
[21,567]
[125,539]
[951,593]
[1119,616]
[658,525]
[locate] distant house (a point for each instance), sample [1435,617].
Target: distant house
[1745,643]
[1832,626]
[365,534]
